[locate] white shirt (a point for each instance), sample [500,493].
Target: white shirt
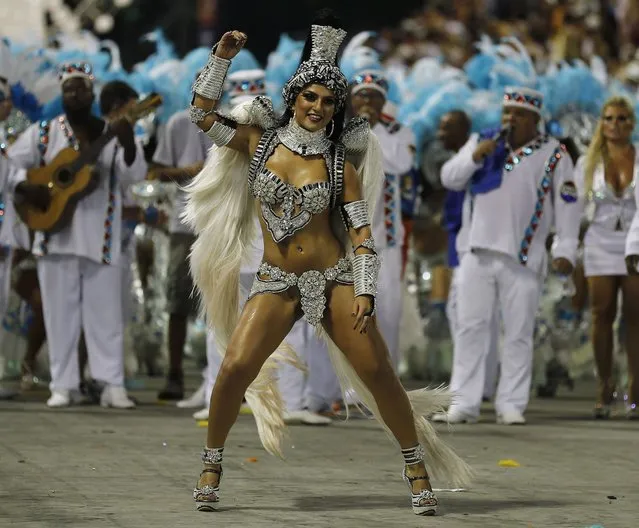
[96,227]
[604,210]
[180,144]
[396,142]
[500,218]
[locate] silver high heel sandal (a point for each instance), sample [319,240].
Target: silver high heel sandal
[207,498]
[424,502]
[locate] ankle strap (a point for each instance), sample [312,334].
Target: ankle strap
[413,455]
[212,455]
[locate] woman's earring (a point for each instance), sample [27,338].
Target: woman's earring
[332,125]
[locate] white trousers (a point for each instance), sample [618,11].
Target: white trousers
[389,300]
[488,280]
[77,294]
[492,360]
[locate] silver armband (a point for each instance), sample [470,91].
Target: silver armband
[210,82]
[369,243]
[221,134]
[198,115]
[356,214]
[365,272]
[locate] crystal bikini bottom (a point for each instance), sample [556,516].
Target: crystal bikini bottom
[311,285]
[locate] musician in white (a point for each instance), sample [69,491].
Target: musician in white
[521,185]
[79,266]
[369,89]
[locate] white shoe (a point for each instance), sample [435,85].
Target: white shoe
[454,417]
[197,399]
[115,396]
[511,418]
[305,417]
[59,398]
[202,414]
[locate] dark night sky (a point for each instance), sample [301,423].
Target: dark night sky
[262,20]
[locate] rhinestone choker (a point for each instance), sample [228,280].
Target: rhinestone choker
[301,141]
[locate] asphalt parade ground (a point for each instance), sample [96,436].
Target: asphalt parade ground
[88,467]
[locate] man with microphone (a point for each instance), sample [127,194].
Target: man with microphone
[521,185]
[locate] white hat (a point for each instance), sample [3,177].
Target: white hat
[522,97]
[245,84]
[369,79]
[69,70]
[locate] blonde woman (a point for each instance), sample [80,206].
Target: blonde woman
[608,176]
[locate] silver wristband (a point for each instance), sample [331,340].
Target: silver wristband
[198,115]
[356,214]
[221,134]
[365,273]
[210,82]
[368,243]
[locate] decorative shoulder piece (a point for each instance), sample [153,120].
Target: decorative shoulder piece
[365,273]
[356,214]
[210,82]
[355,135]
[261,113]
[212,455]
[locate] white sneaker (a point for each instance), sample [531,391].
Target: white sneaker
[202,414]
[511,418]
[59,398]
[454,417]
[197,399]
[305,417]
[115,396]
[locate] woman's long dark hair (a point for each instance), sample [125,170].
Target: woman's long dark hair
[324,17]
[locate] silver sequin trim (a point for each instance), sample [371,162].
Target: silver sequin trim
[210,82]
[357,214]
[221,134]
[311,285]
[365,273]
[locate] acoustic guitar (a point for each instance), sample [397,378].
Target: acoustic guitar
[71,176]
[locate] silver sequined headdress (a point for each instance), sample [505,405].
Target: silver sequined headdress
[321,67]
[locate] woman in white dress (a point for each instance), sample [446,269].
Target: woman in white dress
[607,173]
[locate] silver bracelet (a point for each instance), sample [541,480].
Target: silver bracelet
[368,243]
[356,214]
[365,273]
[221,134]
[198,115]
[210,82]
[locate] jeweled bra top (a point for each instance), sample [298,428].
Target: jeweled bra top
[297,204]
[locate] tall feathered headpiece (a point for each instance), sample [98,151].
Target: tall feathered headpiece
[320,66]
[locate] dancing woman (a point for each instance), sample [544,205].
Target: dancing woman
[608,176]
[309,178]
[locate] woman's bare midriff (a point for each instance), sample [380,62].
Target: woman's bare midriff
[315,247]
